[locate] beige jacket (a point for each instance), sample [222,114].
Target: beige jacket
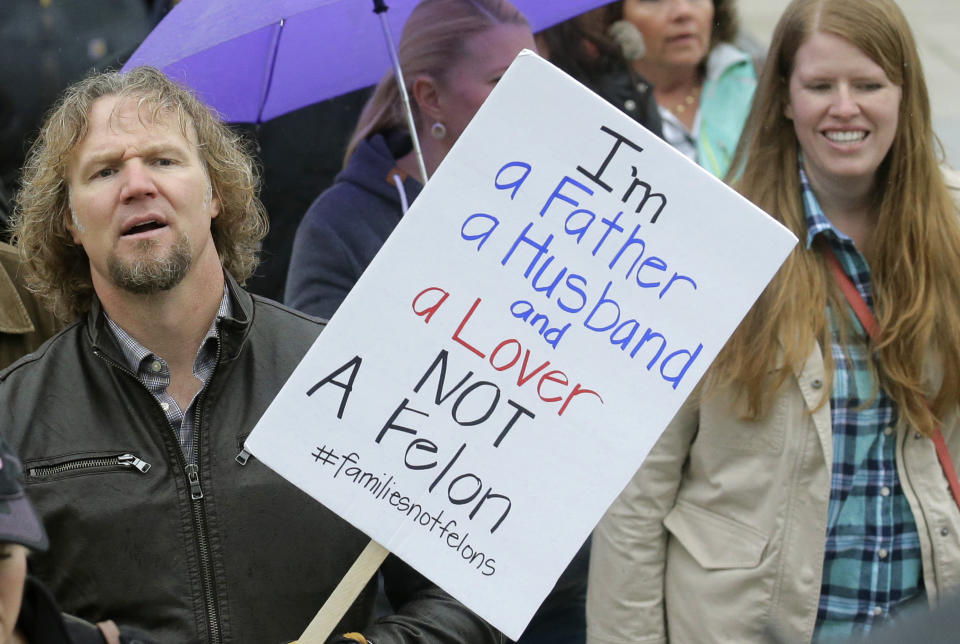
[24,324]
[720,535]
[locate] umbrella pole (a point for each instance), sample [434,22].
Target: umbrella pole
[380,8]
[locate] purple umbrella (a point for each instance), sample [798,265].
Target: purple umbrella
[253,60]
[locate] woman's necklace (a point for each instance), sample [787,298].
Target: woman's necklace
[687,103]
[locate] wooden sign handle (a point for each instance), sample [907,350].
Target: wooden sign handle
[343,596]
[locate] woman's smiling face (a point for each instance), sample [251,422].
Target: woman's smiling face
[844,108]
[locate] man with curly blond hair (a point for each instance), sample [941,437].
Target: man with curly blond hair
[138,220]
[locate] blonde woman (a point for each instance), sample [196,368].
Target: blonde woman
[799,493]
[452,53]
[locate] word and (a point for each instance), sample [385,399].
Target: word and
[572,293]
[594,302]
[508,354]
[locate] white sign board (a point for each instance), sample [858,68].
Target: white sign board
[517,346]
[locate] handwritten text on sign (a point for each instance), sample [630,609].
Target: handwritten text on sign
[519,343]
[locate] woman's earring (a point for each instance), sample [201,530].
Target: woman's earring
[438,130]
[626,34]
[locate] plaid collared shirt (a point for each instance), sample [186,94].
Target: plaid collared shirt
[872,558]
[153,372]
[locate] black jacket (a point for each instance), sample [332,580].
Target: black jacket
[346,226]
[230,552]
[632,94]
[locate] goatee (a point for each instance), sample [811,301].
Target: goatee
[148,274]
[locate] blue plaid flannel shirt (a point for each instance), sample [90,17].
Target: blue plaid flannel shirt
[872,559]
[153,372]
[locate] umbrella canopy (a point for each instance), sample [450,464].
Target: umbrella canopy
[253,60]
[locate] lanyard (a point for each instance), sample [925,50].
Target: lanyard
[869,322]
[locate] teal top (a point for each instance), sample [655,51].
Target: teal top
[724,105]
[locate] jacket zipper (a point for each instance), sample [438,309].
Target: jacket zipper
[192,472]
[244,455]
[199,513]
[106,462]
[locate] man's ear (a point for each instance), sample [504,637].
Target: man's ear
[214,205]
[426,93]
[71,228]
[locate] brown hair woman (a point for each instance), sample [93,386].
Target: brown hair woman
[798,492]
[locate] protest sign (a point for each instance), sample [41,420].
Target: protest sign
[517,346]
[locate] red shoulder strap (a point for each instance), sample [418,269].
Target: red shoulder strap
[856,301]
[869,322]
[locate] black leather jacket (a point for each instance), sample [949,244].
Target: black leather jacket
[226,552]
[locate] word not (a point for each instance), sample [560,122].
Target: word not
[461,489]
